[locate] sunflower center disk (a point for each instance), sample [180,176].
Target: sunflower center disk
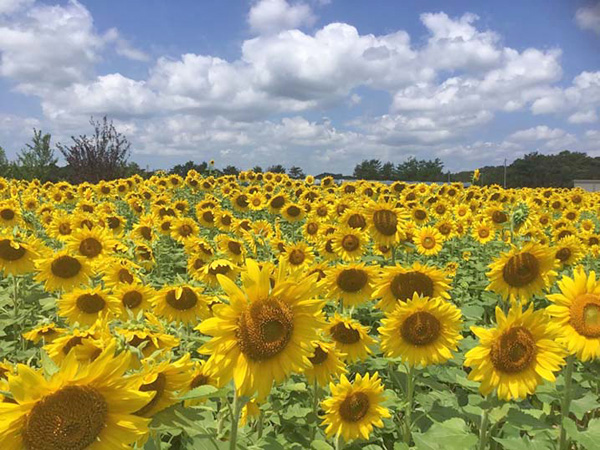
[90,303]
[355,407]
[265,329]
[132,299]
[64,228]
[585,315]
[158,387]
[352,280]
[350,243]
[297,257]
[420,214]
[7,214]
[344,334]
[199,380]
[499,217]
[420,328]
[404,285]
[563,254]
[483,233]
[428,242]
[185,230]
[146,233]
[319,357]
[514,351]
[293,211]
[521,269]
[65,267]
[219,269]
[357,221]
[9,253]
[234,247]
[186,300]
[71,418]
[90,247]
[386,222]
[125,276]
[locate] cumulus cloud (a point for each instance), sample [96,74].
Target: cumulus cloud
[588,18]
[441,89]
[271,16]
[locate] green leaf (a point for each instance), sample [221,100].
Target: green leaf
[452,434]
[206,391]
[587,439]
[320,445]
[523,443]
[584,404]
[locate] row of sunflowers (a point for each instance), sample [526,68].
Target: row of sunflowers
[258,311]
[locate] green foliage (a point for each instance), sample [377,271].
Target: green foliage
[37,159]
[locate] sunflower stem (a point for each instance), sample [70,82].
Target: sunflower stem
[313,431]
[238,404]
[483,428]
[261,424]
[339,444]
[15,295]
[566,402]
[410,390]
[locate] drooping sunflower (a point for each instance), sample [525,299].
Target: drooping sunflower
[211,270]
[184,303]
[265,332]
[349,243]
[119,271]
[355,408]
[517,355]
[327,363]
[197,377]
[576,311]
[429,241]
[399,284]
[85,306]
[63,270]
[80,406]
[422,331]
[166,380]
[149,339]
[45,331]
[568,251]
[350,338]
[234,249]
[86,345]
[522,273]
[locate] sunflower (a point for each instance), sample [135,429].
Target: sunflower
[91,244]
[144,229]
[354,408]
[10,213]
[166,380]
[183,229]
[85,344]
[292,212]
[522,273]
[61,226]
[297,256]
[144,256]
[133,298]
[514,357]
[211,270]
[326,362]
[63,270]
[385,222]
[80,406]
[183,303]
[576,311]
[233,249]
[45,331]
[116,224]
[349,243]
[310,230]
[399,284]
[149,339]
[350,337]
[265,332]
[483,232]
[118,271]
[197,377]
[85,306]
[428,241]
[422,331]
[568,251]
[18,257]
[352,283]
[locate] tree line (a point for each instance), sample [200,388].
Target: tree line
[104,155]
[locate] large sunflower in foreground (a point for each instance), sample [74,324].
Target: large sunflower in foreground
[63,270]
[354,408]
[522,273]
[398,284]
[265,332]
[86,406]
[422,331]
[576,310]
[517,355]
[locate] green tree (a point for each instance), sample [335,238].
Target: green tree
[277,168]
[4,164]
[368,169]
[37,159]
[257,169]
[296,172]
[231,170]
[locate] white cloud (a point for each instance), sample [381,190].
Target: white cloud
[588,18]
[124,48]
[588,116]
[539,133]
[271,16]
[11,6]
[582,97]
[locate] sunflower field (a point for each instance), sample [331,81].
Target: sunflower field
[263,312]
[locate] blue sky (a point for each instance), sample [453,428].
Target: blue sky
[321,84]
